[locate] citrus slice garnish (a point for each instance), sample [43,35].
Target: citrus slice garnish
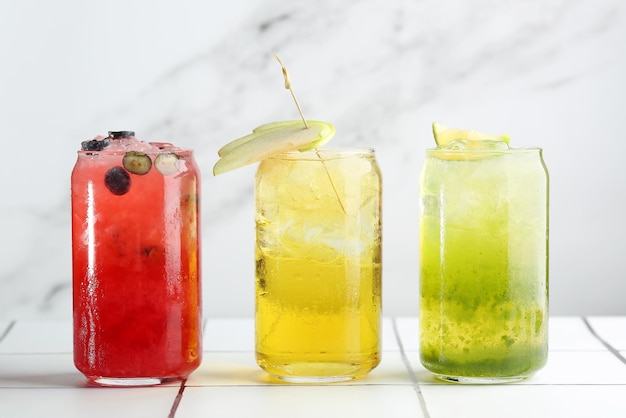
[444,135]
[272,139]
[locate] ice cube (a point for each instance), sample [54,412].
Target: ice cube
[480,144]
[132,144]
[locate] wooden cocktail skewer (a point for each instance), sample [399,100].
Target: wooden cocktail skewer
[306,125]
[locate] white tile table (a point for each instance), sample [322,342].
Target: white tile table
[585,377]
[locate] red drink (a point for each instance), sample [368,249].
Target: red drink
[136,261]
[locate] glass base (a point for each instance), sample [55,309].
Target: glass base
[129,382]
[315,372]
[314,379]
[480,380]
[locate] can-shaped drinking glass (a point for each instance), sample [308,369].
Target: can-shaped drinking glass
[318,265]
[484,264]
[136,261]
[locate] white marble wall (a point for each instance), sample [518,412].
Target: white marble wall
[199,73]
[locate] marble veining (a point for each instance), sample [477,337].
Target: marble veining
[548,72]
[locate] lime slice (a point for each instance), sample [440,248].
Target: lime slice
[444,135]
[271,139]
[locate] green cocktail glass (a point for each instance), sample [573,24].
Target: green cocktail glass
[484,262]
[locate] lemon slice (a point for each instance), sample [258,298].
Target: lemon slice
[444,135]
[271,139]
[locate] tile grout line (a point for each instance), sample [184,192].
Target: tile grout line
[7,330]
[183,384]
[407,364]
[608,346]
[179,396]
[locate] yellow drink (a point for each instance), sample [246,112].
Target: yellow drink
[318,265]
[484,264]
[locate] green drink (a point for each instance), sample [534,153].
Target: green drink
[484,262]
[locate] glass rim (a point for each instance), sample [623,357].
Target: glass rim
[121,152]
[327,152]
[515,150]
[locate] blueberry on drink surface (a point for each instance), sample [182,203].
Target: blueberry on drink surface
[167,163]
[117,180]
[137,162]
[121,134]
[95,144]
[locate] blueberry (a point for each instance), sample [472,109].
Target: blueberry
[121,134]
[95,144]
[117,180]
[167,163]
[137,162]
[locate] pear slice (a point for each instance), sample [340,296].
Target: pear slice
[274,125]
[271,139]
[444,135]
[280,124]
[255,132]
[277,125]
